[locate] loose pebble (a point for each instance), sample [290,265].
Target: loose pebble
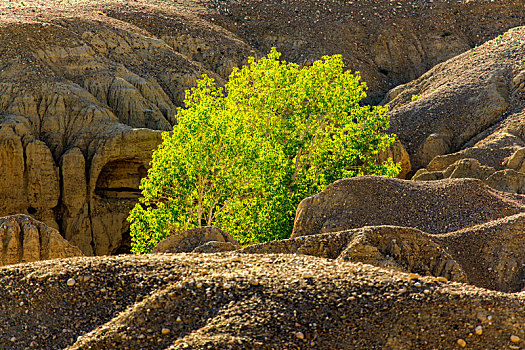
[479,330]
[414,276]
[71,282]
[165,331]
[515,338]
[462,343]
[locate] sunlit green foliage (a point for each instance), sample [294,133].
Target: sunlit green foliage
[243,157]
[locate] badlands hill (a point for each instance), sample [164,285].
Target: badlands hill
[468,114]
[87,86]
[438,261]
[333,287]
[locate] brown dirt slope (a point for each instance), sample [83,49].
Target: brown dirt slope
[434,207]
[244,302]
[390,42]
[400,248]
[480,229]
[470,106]
[492,254]
[87,86]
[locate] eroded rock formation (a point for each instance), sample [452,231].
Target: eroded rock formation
[78,126]
[480,229]
[86,88]
[24,239]
[400,248]
[492,254]
[464,117]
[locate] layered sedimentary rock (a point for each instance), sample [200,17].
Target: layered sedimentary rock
[79,125]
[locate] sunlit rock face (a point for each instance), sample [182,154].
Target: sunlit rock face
[24,239]
[86,88]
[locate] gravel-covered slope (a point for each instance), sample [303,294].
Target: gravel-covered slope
[434,207]
[245,301]
[470,106]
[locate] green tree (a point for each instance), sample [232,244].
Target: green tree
[243,157]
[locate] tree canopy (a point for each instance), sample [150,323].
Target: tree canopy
[242,157]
